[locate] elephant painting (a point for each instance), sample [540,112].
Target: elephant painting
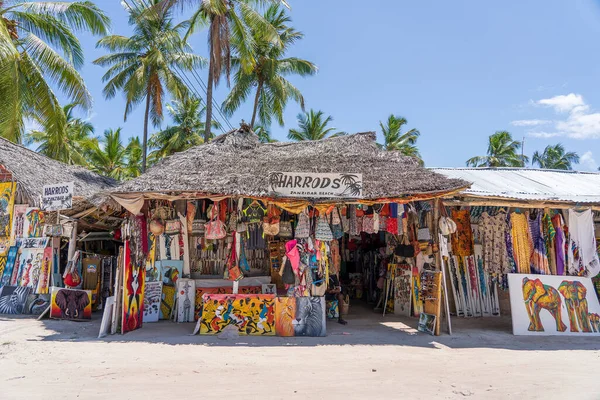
[595,322]
[577,306]
[538,296]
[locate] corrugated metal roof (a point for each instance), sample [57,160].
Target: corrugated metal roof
[529,184]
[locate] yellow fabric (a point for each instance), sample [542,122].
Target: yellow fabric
[522,247]
[7,192]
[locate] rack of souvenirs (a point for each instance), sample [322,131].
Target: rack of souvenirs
[482,245]
[256,266]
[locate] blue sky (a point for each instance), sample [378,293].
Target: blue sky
[458,71]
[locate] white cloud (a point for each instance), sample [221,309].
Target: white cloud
[563,103]
[588,162]
[530,122]
[543,135]
[579,123]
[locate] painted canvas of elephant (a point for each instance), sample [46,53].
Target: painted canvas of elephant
[577,305]
[71,304]
[538,297]
[594,322]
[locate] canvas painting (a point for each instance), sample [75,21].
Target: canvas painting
[167,301]
[333,309]
[427,323]
[186,292]
[36,304]
[30,270]
[44,280]
[73,304]
[13,299]
[252,314]
[152,297]
[18,221]
[403,290]
[300,316]
[200,291]
[416,290]
[33,225]
[9,267]
[33,243]
[133,293]
[269,288]
[553,305]
[106,317]
[7,202]
[170,271]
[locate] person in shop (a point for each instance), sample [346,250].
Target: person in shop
[334,292]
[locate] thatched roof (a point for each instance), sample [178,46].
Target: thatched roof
[33,170]
[236,163]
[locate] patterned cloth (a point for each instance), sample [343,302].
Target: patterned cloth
[492,231]
[539,260]
[559,243]
[462,240]
[521,241]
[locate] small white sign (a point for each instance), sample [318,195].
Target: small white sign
[58,197]
[316,185]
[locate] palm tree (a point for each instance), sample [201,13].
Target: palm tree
[186,132]
[264,135]
[145,65]
[395,140]
[502,151]
[268,73]
[39,49]
[313,126]
[555,157]
[69,144]
[108,156]
[133,153]
[227,22]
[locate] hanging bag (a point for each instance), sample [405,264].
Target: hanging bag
[303,227]
[285,226]
[215,229]
[271,221]
[323,232]
[336,224]
[173,224]
[199,222]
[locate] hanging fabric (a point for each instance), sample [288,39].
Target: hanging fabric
[521,242]
[583,258]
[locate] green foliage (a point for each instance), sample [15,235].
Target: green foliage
[39,49]
[313,126]
[109,157]
[555,157]
[395,140]
[502,151]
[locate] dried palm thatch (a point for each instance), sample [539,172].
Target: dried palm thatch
[32,171]
[237,164]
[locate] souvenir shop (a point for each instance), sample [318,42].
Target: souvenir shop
[515,250]
[276,254]
[39,235]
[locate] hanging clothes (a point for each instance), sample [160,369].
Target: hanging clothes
[492,231]
[559,243]
[521,242]
[549,236]
[583,258]
[462,240]
[539,260]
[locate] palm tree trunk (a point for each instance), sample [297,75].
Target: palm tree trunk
[258,90]
[145,141]
[209,95]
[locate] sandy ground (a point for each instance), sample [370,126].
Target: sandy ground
[372,357]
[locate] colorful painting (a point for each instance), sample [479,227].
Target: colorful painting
[427,323]
[553,305]
[403,290]
[44,281]
[133,293]
[9,267]
[73,304]
[186,292]
[333,309]
[36,304]
[170,272]
[152,297]
[7,202]
[416,290]
[13,299]
[252,314]
[200,291]
[33,243]
[31,267]
[19,211]
[34,223]
[300,316]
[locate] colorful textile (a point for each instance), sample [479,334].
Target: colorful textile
[521,241]
[492,232]
[583,259]
[462,240]
[559,243]
[539,260]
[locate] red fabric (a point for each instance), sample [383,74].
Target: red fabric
[392,225]
[385,211]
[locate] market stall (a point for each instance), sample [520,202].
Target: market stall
[42,204]
[533,231]
[252,235]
